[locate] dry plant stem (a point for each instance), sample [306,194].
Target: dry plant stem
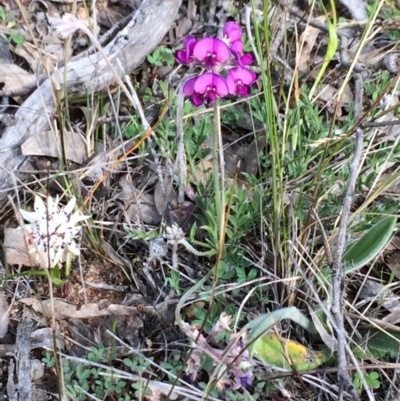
[180,153]
[337,268]
[97,45]
[146,126]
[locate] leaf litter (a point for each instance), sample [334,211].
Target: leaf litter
[135,194]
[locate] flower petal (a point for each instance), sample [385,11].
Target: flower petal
[211,51]
[232,31]
[210,82]
[239,80]
[74,249]
[185,56]
[247,59]
[31,217]
[221,51]
[197,100]
[237,47]
[188,87]
[203,48]
[189,43]
[70,205]
[40,206]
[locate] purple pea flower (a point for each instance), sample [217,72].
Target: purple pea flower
[211,51]
[242,379]
[239,81]
[188,91]
[237,51]
[210,85]
[186,56]
[232,32]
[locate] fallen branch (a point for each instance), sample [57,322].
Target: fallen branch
[130,46]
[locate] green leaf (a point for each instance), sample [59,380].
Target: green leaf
[379,344]
[369,245]
[263,323]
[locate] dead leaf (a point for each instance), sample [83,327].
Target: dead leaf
[393,262]
[160,395]
[43,338]
[170,196]
[37,369]
[392,318]
[251,161]
[327,95]
[184,216]
[372,290]
[202,172]
[15,78]
[141,205]
[17,249]
[308,39]
[38,62]
[65,310]
[46,144]
[144,210]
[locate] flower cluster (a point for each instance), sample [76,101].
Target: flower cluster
[234,362]
[215,55]
[52,231]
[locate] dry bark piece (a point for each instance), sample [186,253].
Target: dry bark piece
[130,47]
[4,315]
[357,9]
[23,343]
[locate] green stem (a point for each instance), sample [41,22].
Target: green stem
[193,250]
[216,161]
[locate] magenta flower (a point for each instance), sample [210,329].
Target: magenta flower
[185,56]
[188,91]
[239,81]
[232,32]
[211,51]
[210,85]
[237,51]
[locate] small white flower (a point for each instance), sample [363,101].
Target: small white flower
[67,25]
[174,234]
[53,231]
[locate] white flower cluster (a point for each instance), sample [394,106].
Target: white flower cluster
[52,231]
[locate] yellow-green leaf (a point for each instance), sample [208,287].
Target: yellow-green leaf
[283,353]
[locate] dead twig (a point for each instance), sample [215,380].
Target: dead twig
[337,268]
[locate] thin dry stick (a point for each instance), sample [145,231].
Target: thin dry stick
[146,126]
[180,153]
[337,268]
